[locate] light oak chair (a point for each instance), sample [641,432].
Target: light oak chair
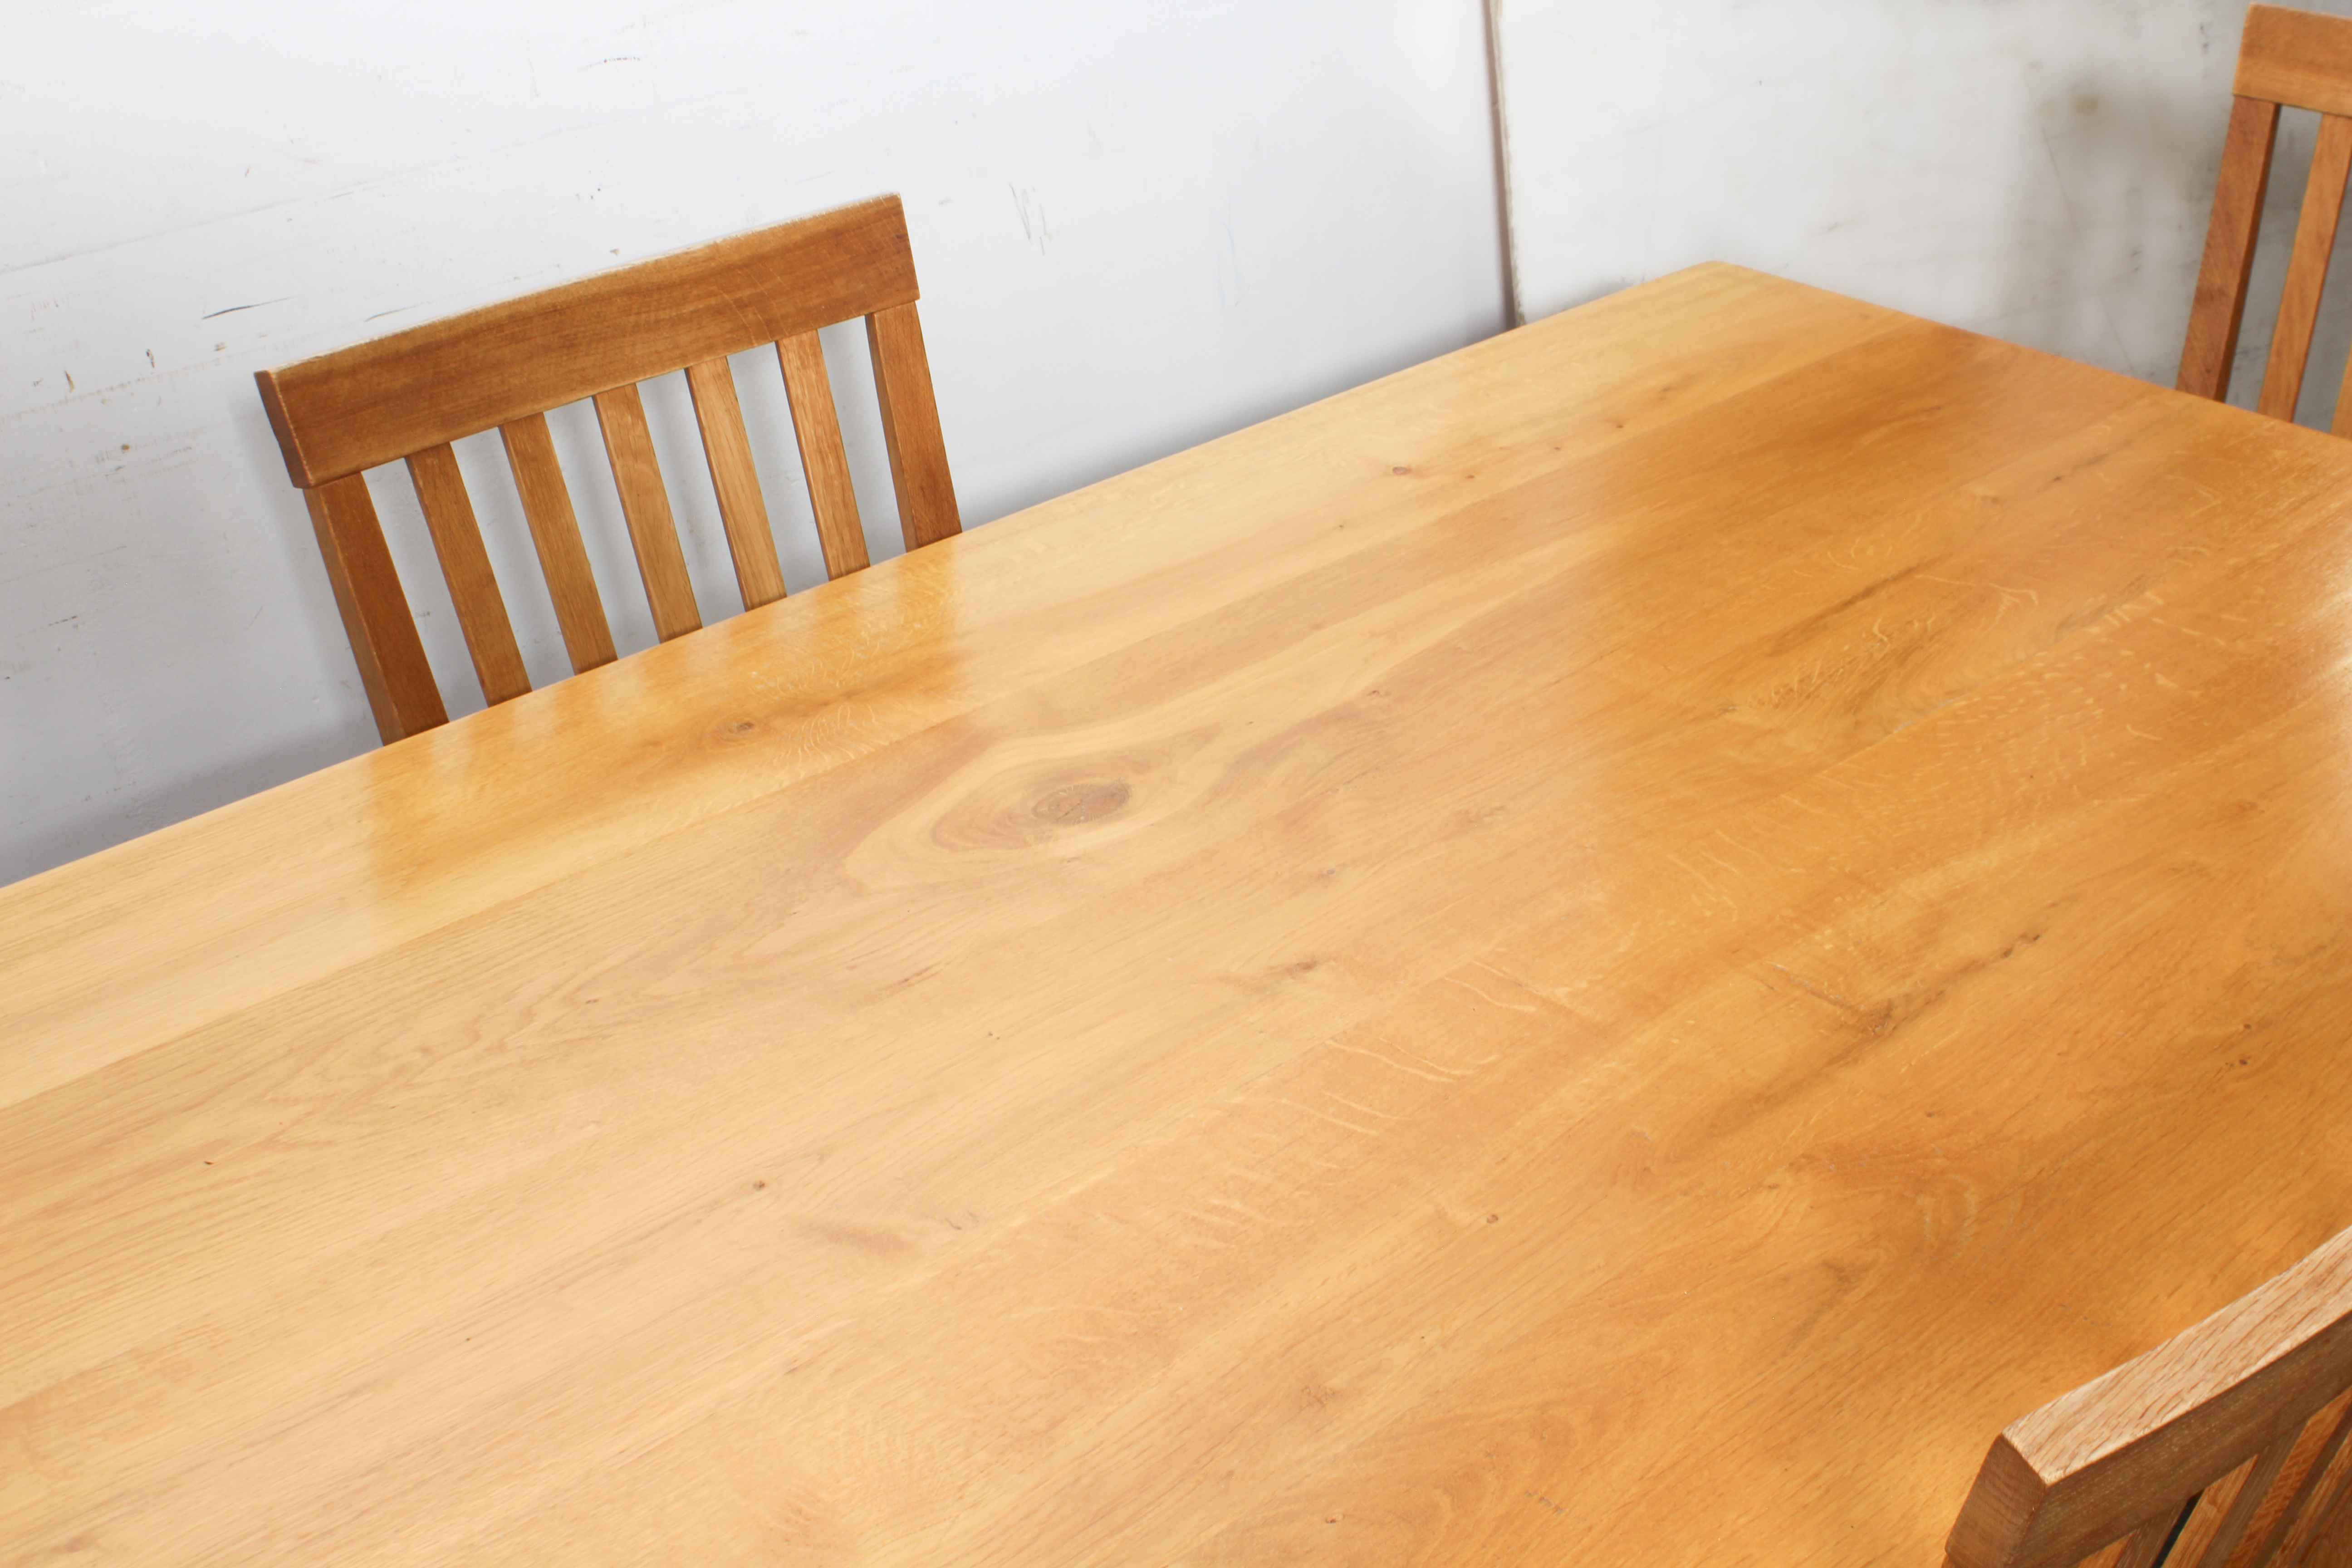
[504,366]
[2301,60]
[2222,1448]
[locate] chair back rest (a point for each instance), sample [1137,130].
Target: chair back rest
[410,395]
[2301,60]
[2222,1448]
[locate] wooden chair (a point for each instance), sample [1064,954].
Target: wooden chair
[2223,1446]
[2301,60]
[503,366]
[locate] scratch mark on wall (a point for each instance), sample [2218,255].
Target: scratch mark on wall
[1232,260]
[233,309]
[1034,224]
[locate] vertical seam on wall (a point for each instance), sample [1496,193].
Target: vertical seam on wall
[1502,127]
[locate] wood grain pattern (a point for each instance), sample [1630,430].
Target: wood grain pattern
[2222,276]
[816,425]
[741,508]
[1728,863]
[555,535]
[2315,243]
[466,569]
[653,532]
[910,423]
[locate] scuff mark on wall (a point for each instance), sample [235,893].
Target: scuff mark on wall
[233,309]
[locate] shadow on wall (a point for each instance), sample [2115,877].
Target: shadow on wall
[2111,149]
[2040,173]
[2101,258]
[2136,168]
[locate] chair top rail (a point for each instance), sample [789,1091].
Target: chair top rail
[341,413]
[2301,58]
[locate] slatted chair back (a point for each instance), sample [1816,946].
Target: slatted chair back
[2300,59]
[502,367]
[2222,1448]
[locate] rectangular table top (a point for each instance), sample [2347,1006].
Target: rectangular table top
[1610,950]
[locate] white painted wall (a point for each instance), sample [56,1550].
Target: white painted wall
[2038,170]
[1137,226]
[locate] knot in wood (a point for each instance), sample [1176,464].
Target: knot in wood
[1073,804]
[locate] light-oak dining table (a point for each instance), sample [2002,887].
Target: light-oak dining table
[1612,949]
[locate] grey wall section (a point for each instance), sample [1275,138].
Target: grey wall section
[1136,227]
[2038,170]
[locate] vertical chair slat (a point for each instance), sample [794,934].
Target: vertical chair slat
[2260,1477]
[741,507]
[910,423]
[2146,1544]
[2214,1505]
[2156,1540]
[2342,423]
[401,692]
[2314,242]
[2220,303]
[2315,1451]
[2321,1495]
[621,415]
[465,567]
[2327,1540]
[816,425]
[555,532]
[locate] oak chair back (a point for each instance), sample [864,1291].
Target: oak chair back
[2301,60]
[2222,1448]
[410,395]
